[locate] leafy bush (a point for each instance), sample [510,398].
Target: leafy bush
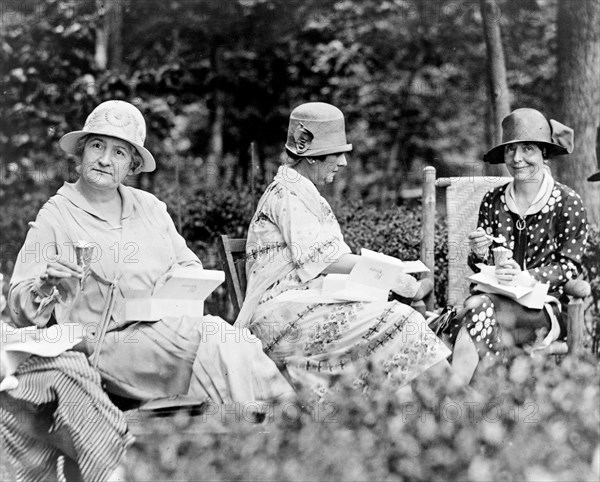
[395,231]
[532,420]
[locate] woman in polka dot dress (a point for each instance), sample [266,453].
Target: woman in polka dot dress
[543,224]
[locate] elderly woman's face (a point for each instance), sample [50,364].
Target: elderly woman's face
[524,160]
[323,172]
[106,161]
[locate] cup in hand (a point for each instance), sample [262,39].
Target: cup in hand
[84,252]
[501,255]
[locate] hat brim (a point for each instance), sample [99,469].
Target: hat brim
[496,154]
[321,152]
[68,143]
[594,177]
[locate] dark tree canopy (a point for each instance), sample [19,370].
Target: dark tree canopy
[216,81]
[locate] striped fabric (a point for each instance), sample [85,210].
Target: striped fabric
[96,427]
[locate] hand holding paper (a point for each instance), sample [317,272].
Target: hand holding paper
[523,288]
[372,278]
[406,286]
[179,292]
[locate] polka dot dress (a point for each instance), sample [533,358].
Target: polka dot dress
[482,326]
[549,243]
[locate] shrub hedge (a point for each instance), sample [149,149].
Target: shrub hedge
[531,420]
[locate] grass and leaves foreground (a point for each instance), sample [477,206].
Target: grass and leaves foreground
[533,419]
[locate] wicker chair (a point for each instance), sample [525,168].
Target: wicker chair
[463,197]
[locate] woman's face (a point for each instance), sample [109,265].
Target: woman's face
[524,160]
[323,172]
[105,162]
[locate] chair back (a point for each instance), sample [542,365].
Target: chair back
[463,197]
[232,252]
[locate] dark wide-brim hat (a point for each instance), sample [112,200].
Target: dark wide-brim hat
[530,125]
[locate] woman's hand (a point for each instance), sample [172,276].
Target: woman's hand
[479,242]
[406,286]
[506,271]
[58,270]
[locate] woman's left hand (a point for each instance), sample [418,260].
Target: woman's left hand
[506,272]
[406,286]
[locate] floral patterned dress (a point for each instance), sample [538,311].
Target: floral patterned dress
[548,241]
[292,238]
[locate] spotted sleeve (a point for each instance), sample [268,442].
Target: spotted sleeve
[567,246]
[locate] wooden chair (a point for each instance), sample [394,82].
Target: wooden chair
[232,252]
[463,197]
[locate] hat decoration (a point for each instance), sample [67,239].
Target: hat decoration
[303,138]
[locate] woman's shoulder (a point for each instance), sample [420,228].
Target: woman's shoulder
[53,206]
[278,190]
[139,196]
[567,193]
[495,194]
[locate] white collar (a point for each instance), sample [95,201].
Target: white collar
[540,200]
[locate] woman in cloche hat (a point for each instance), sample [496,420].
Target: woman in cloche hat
[541,226]
[294,240]
[136,246]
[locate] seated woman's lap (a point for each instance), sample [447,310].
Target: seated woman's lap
[203,357]
[149,360]
[495,322]
[327,339]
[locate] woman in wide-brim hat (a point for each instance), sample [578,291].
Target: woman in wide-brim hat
[543,225]
[135,246]
[294,240]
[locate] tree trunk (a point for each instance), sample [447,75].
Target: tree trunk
[496,75]
[579,96]
[109,44]
[496,67]
[215,154]
[102,32]
[392,183]
[114,18]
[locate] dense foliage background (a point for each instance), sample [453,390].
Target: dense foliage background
[216,80]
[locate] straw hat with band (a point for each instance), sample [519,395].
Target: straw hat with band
[530,125]
[114,118]
[316,129]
